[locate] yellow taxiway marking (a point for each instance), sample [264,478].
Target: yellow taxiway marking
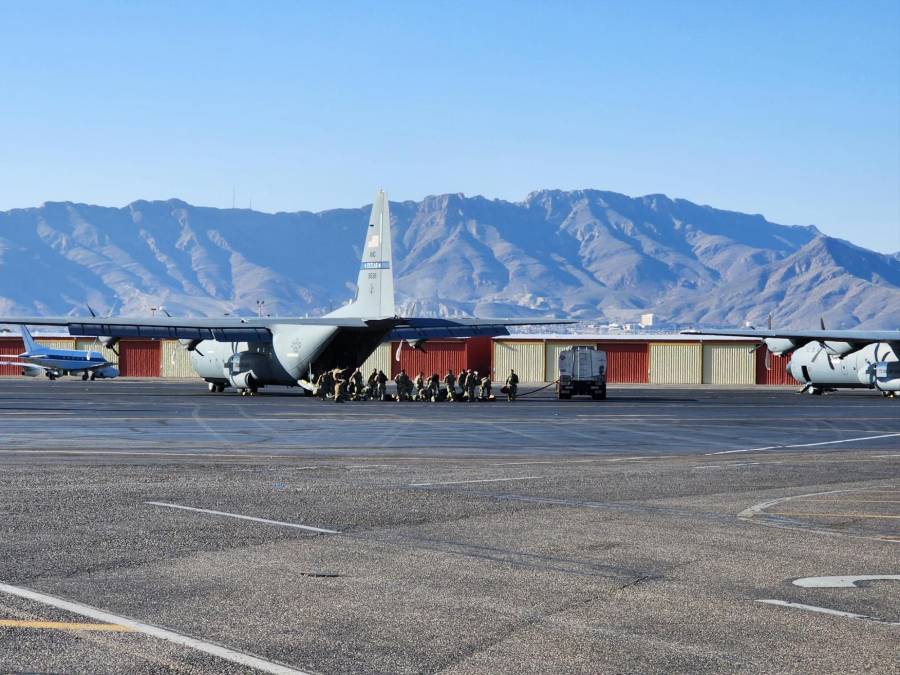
[64,625]
[828,515]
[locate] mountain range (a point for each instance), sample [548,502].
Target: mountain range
[587,254]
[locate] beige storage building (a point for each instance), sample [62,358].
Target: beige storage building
[56,343]
[175,360]
[676,363]
[527,358]
[380,359]
[729,363]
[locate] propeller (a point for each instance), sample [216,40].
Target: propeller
[822,347]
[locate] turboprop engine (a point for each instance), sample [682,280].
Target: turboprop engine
[779,346]
[30,371]
[107,373]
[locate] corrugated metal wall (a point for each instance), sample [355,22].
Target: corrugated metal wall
[56,343]
[676,363]
[380,359]
[10,347]
[776,373]
[439,355]
[526,358]
[139,358]
[175,360]
[729,363]
[626,362]
[551,356]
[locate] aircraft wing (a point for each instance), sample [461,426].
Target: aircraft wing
[237,329]
[22,364]
[860,337]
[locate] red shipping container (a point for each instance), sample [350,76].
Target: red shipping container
[626,362]
[441,355]
[10,346]
[139,358]
[776,373]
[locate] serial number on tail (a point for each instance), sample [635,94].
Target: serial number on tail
[380,265]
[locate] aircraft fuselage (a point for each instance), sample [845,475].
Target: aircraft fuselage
[875,366]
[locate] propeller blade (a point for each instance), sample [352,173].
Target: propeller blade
[770,321]
[822,323]
[768,360]
[399,347]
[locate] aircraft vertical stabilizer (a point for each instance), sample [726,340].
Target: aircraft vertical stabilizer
[375,284]
[30,345]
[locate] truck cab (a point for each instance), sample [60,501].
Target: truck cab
[582,372]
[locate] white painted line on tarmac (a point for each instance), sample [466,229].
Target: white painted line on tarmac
[842,581]
[242,517]
[481,480]
[826,610]
[894,455]
[154,631]
[804,445]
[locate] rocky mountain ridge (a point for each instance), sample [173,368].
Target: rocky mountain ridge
[587,254]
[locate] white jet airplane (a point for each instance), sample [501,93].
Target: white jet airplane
[38,360]
[249,353]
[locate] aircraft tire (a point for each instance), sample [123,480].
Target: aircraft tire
[85,376]
[213,387]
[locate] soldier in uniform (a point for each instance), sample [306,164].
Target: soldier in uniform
[450,383]
[471,383]
[380,382]
[371,384]
[327,384]
[512,385]
[485,392]
[420,386]
[340,387]
[402,381]
[356,385]
[434,387]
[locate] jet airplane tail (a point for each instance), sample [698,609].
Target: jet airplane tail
[30,345]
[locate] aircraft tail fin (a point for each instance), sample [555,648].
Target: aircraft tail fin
[30,344]
[375,284]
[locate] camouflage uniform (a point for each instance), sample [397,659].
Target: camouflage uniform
[485,392]
[512,386]
[380,382]
[450,383]
[471,382]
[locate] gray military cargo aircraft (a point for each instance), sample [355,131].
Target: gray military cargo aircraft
[249,353]
[824,360]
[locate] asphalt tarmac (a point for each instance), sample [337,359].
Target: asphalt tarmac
[152,527]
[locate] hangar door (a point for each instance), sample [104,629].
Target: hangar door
[676,363]
[139,358]
[526,358]
[380,359]
[175,360]
[729,363]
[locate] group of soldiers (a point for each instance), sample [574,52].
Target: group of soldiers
[333,385]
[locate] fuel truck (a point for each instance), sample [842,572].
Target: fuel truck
[582,372]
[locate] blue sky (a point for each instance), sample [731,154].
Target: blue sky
[789,109]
